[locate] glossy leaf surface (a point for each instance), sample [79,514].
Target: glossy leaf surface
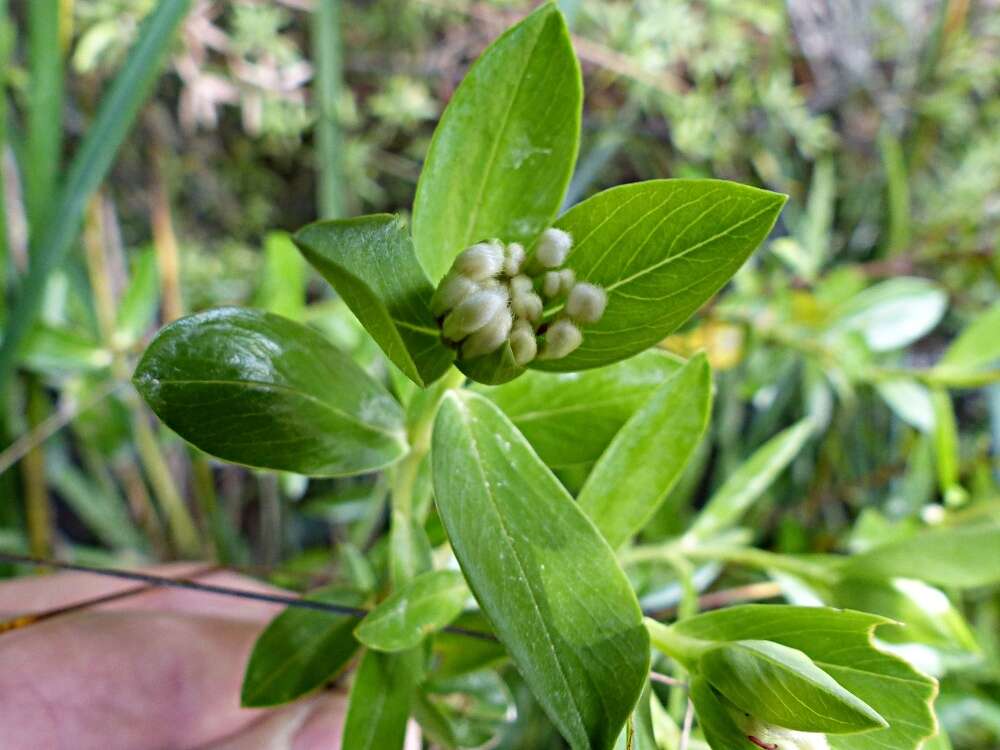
[370,262]
[570,418]
[300,651]
[421,606]
[503,152]
[893,313]
[646,457]
[542,573]
[660,249]
[257,389]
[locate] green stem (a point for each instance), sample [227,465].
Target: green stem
[682,648]
[760,560]
[38,510]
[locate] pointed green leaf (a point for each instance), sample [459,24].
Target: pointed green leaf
[977,347]
[502,155]
[750,480]
[369,260]
[419,607]
[646,457]
[893,313]
[841,643]
[541,572]
[381,695]
[570,418]
[254,388]
[782,686]
[962,557]
[300,651]
[660,249]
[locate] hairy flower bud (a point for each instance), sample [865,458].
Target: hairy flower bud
[561,338]
[771,737]
[490,337]
[473,313]
[527,305]
[523,345]
[553,247]
[453,289]
[513,258]
[567,278]
[521,284]
[586,303]
[552,284]
[480,261]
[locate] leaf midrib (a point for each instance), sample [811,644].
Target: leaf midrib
[474,444]
[280,388]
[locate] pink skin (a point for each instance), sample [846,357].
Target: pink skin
[156,671]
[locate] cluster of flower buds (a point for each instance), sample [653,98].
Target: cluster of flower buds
[493,295]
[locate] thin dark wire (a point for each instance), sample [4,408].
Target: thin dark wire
[208,588]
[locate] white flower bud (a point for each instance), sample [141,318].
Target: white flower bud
[772,737]
[552,284]
[473,313]
[586,303]
[480,261]
[513,258]
[523,345]
[452,290]
[567,278]
[521,284]
[553,247]
[561,338]
[490,337]
[527,305]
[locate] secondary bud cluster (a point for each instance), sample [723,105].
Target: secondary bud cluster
[493,294]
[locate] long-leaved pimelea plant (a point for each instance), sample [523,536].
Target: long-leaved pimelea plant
[490,285]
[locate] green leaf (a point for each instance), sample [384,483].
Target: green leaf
[750,480]
[715,718]
[977,347]
[380,700]
[140,302]
[502,155]
[840,642]
[468,711]
[541,572]
[963,557]
[90,164]
[369,260]
[648,454]
[283,281]
[782,686]
[570,418]
[946,447]
[893,313]
[660,249]
[419,607]
[256,389]
[300,651]
[910,400]
[456,654]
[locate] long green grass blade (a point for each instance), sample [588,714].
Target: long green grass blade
[329,144]
[116,114]
[43,139]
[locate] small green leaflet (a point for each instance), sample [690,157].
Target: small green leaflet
[541,572]
[421,606]
[660,249]
[369,260]
[257,389]
[381,695]
[646,457]
[503,152]
[300,651]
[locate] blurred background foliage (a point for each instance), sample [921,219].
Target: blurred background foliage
[878,117]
